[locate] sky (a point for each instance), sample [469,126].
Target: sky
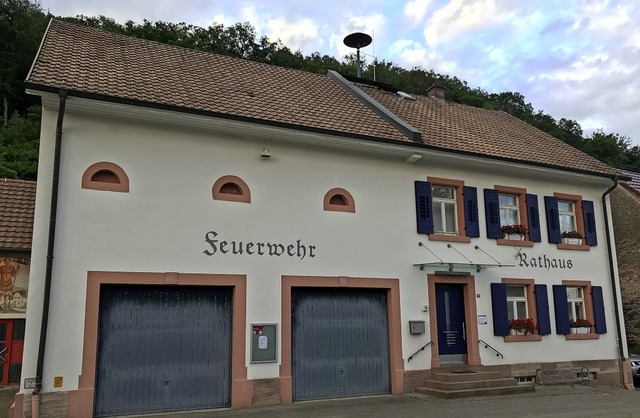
[573,59]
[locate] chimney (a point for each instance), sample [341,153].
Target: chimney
[436,92]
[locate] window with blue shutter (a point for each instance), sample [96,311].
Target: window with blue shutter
[424,216]
[492,213]
[553,219]
[599,319]
[499,307]
[472,223]
[542,306]
[562,309]
[590,235]
[533,217]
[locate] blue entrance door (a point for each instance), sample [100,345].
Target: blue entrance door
[452,341]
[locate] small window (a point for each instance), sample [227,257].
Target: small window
[232,189]
[339,200]
[575,301]
[567,214]
[105,176]
[509,211]
[445,214]
[517,302]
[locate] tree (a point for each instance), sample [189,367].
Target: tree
[19,141]
[22,24]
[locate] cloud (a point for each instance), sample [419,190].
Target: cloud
[297,35]
[415,10]
[459,17]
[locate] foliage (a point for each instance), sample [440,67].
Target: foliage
[572,234]
[527,326]
[22,25]
[580,323]
[19,141]
[514,230]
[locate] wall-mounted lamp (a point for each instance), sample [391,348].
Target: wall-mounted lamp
[413,158]
[265,153]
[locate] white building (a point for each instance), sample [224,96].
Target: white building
[230,233]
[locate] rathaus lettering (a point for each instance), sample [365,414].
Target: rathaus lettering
[543,262]
[296,250]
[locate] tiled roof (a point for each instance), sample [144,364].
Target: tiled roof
[494,133]
[634,183]
[95,61]
[17,202]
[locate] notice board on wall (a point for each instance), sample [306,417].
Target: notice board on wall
[263,343]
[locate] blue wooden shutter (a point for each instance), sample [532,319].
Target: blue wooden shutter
[598,310]
[533,217]
[471,221]
[562,309]
[590,235]
[553,219]
[424,216]
[499,306]
[542,306]
[492,213]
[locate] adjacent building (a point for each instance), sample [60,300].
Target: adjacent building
[230,233]
[17,201]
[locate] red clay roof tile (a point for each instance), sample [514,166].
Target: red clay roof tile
[17,203]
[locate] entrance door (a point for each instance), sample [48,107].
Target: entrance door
[452,340]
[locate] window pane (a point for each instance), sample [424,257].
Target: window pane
[443,192]
[579,310]
[567,223]
[511,313]
[508,200]
[565,206]
[450,217]
[437,216]
[515,291]
[522,310]
[513,218]
[574,292]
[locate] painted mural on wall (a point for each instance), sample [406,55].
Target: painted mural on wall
[14,285]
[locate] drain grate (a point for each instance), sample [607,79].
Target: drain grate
[463,371]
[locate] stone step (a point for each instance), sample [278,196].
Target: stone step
[472,384]
[466,393]
[464,375]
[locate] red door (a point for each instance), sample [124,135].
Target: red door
[11,347]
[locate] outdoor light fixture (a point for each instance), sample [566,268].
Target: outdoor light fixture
[265,153]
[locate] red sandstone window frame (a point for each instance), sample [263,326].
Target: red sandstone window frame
[521,195]
[90,182]
[347,203]
[458,187]
[244,195]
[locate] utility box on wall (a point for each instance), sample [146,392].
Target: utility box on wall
[416,327]
[263,343]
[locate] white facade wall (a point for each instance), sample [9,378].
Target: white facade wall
[159,226]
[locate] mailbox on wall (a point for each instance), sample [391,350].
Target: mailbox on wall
[263,343]
[416,327]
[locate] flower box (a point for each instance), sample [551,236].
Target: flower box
[572,241]
[516,332]
[581,330]
[514,237]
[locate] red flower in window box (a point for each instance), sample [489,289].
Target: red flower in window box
[514,230]
[525,326]
[580,323]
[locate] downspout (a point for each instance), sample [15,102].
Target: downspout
[614,288]
[35,400]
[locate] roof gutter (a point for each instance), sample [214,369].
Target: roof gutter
[614,285]
[50,249]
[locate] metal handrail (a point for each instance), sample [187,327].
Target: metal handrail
[487,345]
[421,349]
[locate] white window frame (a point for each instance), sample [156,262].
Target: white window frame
[440,203]
[512,302]
[567,214]
[576,302]
[507,209]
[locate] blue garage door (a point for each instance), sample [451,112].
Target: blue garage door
[163,348]
[340,343]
